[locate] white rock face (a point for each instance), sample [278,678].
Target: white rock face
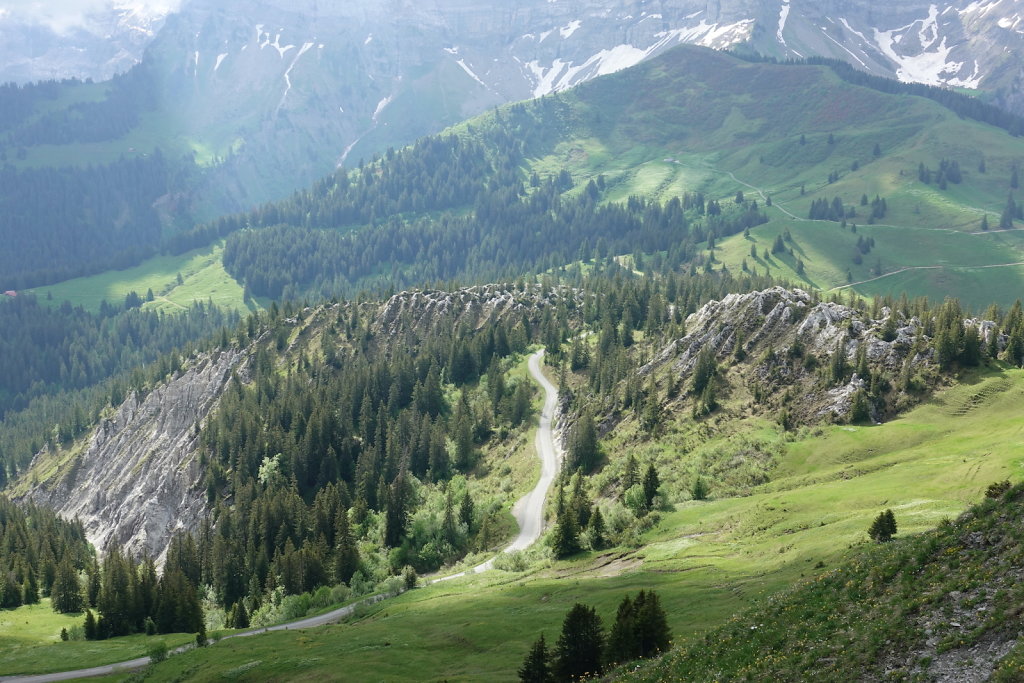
[139,480]
[778,330]
[430,310]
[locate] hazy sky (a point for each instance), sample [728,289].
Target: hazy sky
[61,15]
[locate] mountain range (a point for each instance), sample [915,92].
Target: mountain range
[530,47]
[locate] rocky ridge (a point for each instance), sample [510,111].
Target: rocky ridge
[785,337]
[427,310]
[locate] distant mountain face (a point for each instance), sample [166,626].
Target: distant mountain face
[962,44]
[548,44]
[94,39]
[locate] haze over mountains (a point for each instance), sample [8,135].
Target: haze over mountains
[522,48]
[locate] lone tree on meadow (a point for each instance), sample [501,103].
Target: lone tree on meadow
[884,527]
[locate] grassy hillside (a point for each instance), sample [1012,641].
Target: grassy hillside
[708,560]
[698,121]
[943,605]
[30,641]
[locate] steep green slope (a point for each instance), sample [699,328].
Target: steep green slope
[694,120]
[936,606]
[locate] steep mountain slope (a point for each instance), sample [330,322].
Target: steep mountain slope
[137,479]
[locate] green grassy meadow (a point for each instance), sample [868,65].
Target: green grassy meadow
[203,279]
[30,642]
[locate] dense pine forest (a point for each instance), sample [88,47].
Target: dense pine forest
[59,366]
[39,552]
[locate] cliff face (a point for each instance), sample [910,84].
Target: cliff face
[138,480]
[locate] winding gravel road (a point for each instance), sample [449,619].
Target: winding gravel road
[528,511]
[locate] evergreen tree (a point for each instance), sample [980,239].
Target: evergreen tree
[397,514]
[583,449]
[90,627]
[597,529]
[884,527]
[117,600]
[704,370]
[1009,213]
[466,513]
[651,484]
[652,631]
[622,644]
[177,605]
[31,587]
[66,594]
[536,667]
[632,474]
[239,616]
[346,553]
[700,489]
[578,652]
[859,409]
[566,538]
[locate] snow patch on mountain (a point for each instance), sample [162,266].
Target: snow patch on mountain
[932,65]
[570,28]
[381,106]
[471,73]
[562,75]
[783,16]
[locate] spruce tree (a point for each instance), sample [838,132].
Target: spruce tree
[536,667]
[346,552]
[651,484]
[583,449]
[884,527]
[466,511]
[90,627]
[652,631]
[66,594]
[622,645]
[578,652]
[597,529]
[632,474]
[566,540]
[700,489]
